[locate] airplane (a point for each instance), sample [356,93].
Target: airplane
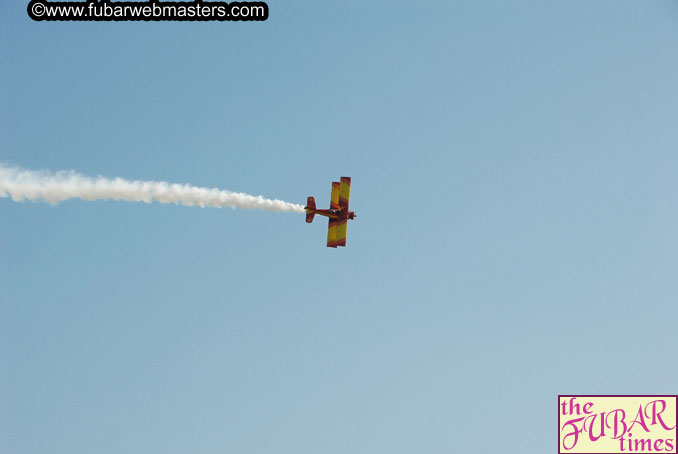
[338,212]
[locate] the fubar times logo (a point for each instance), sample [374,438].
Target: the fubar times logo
[590,424]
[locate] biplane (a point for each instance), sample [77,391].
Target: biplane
[338,212]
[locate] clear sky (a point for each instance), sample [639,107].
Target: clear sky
[514,172]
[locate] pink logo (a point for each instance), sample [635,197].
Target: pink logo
[589,424]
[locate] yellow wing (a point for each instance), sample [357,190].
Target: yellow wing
[344,192]
[334,199]
[332,233]
[342,222]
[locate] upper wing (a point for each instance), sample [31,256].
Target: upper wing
[341,230]
[342,222]
[344,192]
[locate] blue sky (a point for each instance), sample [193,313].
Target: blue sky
[514,171]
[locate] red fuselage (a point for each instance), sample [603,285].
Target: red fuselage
[332,214]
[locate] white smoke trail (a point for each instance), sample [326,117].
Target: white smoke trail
[22,185]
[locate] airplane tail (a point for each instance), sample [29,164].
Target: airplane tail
[310,209]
